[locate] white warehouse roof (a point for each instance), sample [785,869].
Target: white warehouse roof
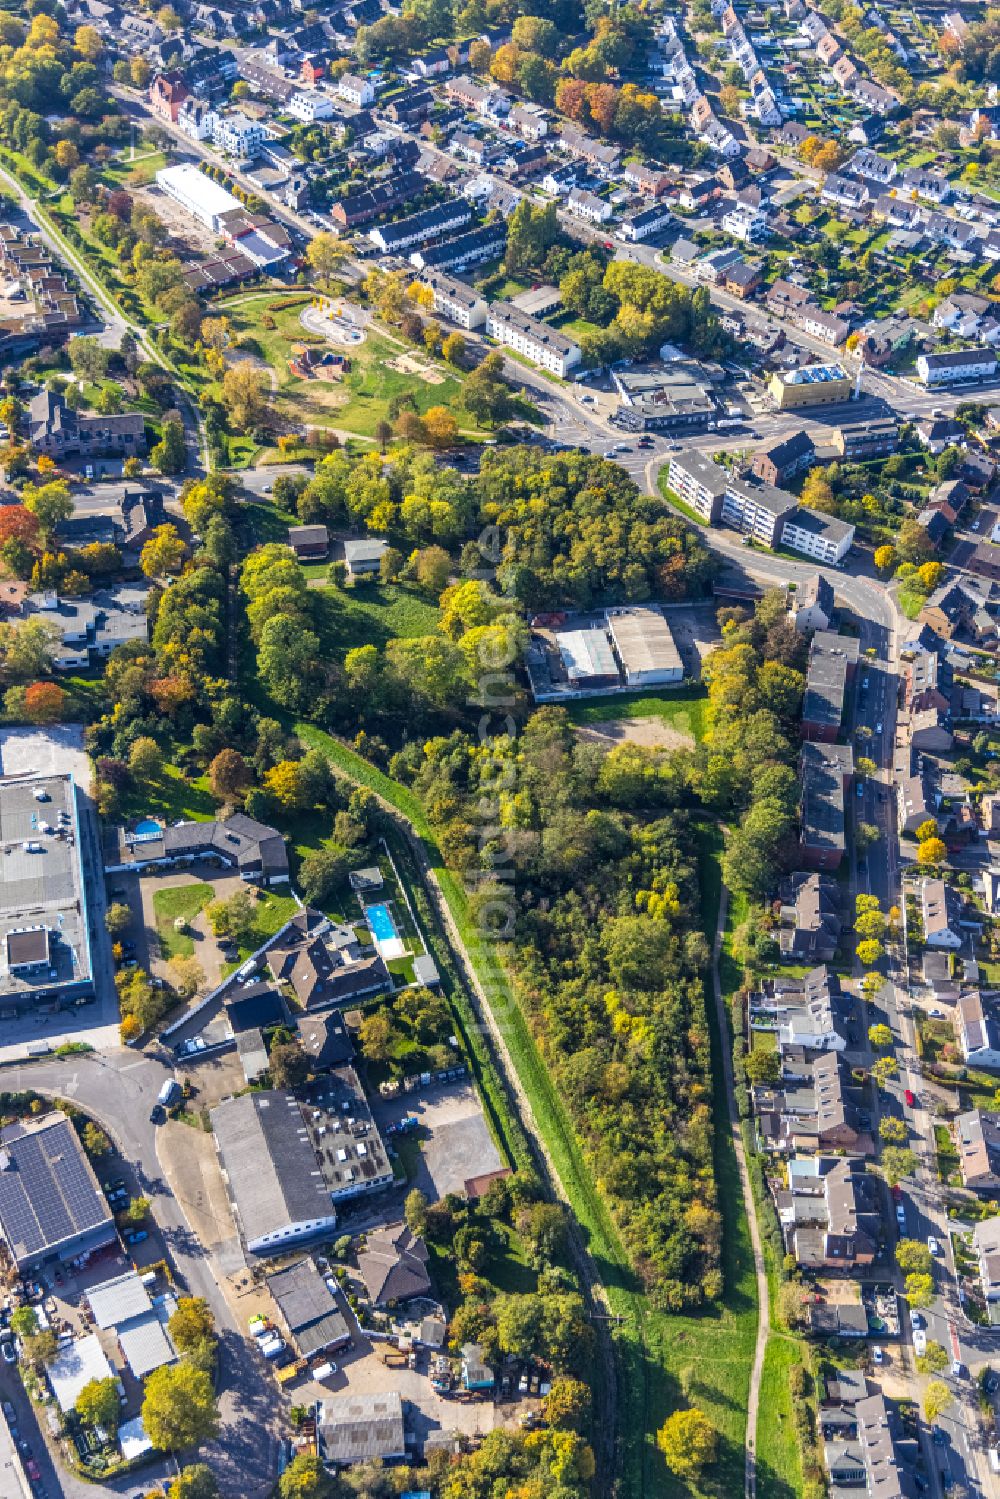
[191,186]
[75,1366]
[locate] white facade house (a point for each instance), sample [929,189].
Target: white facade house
[639,226]
[823,537]
[963,364]
[309,105]
[237,135]
[456,300]
[749,225]
[699,482]
[197,119]
[536,340]
[939,915]
[588,205]
[356,90]
[759,510]
[978,1033]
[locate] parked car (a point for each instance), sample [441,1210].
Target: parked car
[908,1094]
[933,1245]
[136,1236]
[877,1355]
[33,1470]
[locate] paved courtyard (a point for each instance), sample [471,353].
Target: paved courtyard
[460,1144]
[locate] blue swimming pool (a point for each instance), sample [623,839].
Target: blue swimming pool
[381,922]
[148,828]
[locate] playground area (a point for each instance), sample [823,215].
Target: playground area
[333,320]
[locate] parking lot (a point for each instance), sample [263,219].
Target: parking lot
[459,1146]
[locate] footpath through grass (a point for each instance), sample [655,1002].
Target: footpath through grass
[666,1362]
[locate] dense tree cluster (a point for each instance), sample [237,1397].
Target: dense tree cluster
[575,529]
[745,769]
[602,922]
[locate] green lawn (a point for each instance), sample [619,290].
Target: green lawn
[371,614]
[168,905]
[172,797]
[779,1474]
[674,501]
[360,401]
[685,710]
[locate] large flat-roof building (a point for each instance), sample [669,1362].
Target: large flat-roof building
[699,482]
[757,509]
[357,1428]
[204,199]
[814,385]
[278,1193]
[51,1206]
[646,647]
[825,537]
[44,926]
[824,773]
[287,1162]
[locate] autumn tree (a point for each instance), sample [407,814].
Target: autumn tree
[325,254]
[246,395]
[913,1257]
[892,1130]
[897,1163]
[197,1481]
[163,553]
[689,1442]
[937,1398]
[919,1291]
[375,1036]
[44,702]
[440,426]
[932,852]
[98,1405]
[229,775]
[288,1064]
[179,1408]
[884,1069]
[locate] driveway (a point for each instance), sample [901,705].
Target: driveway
[119,1089]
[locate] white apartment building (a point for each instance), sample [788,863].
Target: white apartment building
[749,225]
[455,300]
[759,510]
[823,537]
[197,119]
[355,90]
[963,364]
[699,482]
[534,339]
[237,135]
[309,105]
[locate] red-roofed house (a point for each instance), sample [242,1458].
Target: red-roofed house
[167,93]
